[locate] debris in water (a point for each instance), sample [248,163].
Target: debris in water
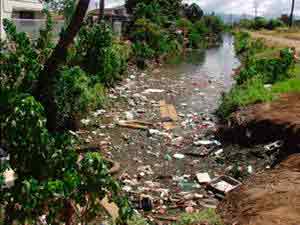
[135,124]
[178,156]
[203,178]
[224,184]
[149,91]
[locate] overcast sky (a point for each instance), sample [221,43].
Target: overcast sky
[266,7]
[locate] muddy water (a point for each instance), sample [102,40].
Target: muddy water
[194,87]
[208,72]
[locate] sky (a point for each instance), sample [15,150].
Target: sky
[266,7]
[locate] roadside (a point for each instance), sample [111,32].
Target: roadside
[279,40]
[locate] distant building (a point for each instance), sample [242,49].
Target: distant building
[19,10]
[117,16]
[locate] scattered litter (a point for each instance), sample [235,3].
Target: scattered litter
[168,114]
[111,208]
[203,178]
[250,169]
[203,142]
[135,124]
[149,91]
[274,145]
[129,115]
[85,121]
[146,202]
[159,133]
[219,152]
[178,156]
[224,184]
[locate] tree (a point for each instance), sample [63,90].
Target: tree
[194,12]
[169,8]
[292,13]
[101,10]
[45,87]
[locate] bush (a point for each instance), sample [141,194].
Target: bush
[74,96]
[274,24]
[50,179]
[271,69]
[99,55]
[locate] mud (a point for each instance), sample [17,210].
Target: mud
[148,157]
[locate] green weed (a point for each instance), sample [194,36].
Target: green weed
[206,216]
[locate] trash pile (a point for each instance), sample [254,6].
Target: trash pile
[170,158]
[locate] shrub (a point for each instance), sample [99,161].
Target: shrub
[73,96]
[50,179]
[274,24]
[99,55]
[271,70]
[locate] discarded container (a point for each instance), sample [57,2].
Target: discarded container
[179,156]
[149,91]
[146,202]
[224,184]
[203,178]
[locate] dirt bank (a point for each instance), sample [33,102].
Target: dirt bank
[274,39]
[269,198]
[266,122]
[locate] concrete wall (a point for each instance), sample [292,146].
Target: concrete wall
[7,7]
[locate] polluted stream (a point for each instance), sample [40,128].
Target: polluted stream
[159,126]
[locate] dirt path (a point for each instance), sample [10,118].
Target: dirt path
[274,40]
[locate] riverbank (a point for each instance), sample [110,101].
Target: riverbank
[161,128]
[266,111]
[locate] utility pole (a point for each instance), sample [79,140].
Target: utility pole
[101,10]
[292,13]
[256,6]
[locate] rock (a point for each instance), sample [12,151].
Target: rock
[203,178]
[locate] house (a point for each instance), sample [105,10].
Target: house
[24,12]
[117,16]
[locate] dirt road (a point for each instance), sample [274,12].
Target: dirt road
[276,40]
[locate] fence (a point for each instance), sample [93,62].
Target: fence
[32,27]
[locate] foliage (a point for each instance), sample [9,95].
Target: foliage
[214,24]
[169,8]
[274,24]
[74,96]
[291,85]
[253,91]
[51,180]
[194,12]
[98,55]
[207,216]
[271,69]
[261,23]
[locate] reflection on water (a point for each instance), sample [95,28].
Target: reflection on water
[213,67]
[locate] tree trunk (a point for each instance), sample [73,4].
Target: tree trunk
[101,10]
[45,87]
[292,13]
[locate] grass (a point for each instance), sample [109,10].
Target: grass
[253,91]
[291,85]
[207,216]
